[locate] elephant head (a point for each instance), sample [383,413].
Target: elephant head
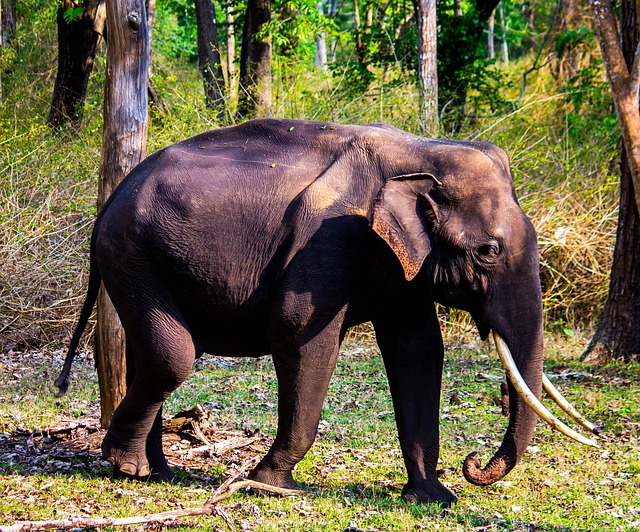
[456,226]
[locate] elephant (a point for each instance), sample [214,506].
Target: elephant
[275,236]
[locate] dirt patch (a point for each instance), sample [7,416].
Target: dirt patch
[192,447]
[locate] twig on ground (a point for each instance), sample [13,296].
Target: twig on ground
[226,489]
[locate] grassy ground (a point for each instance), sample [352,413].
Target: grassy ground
[354,472]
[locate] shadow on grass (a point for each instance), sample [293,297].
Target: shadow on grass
[75,452]
[382,498]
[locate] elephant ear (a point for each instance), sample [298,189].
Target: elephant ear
[403,215]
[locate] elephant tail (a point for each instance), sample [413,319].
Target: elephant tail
[62,382]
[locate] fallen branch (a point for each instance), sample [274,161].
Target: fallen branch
[227,489]
[223,446]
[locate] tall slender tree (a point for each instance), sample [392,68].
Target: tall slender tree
[123,146]
[320,59]
[618,330]
[209,56]
[80,29]
[427,65]
[231,51]
[255,61]
[7,22]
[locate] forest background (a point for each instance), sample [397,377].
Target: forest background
[543,97]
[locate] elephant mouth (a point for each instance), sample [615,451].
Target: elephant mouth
[534,403]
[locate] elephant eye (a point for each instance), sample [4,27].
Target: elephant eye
[489,250]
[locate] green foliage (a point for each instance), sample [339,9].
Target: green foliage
[294,26]
[72,14]
[571,40]
[175,32]
[466,75]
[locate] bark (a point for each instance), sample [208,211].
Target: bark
[255,61]
[150,6]
[503,44]
[231,49]
[491,45]
[78,42]
[209,56]
[321,44]
[618,330]
[7,22]
[123,146]
[427,67]
[624,86]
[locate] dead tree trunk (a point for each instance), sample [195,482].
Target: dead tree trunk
[209,56]
[78,42]
[427,68]
[123,146]
[255,62]
[618,330]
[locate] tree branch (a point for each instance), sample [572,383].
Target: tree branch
[226,489]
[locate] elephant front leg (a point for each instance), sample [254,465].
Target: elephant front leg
[303,379]
[413,357]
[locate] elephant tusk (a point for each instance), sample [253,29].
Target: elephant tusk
[567,406]
[527,395]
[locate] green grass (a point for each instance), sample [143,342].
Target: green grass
[354,472]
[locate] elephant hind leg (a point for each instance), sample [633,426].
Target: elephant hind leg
[162,353]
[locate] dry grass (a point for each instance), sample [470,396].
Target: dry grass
[576,242]
[45,220]
[48,185]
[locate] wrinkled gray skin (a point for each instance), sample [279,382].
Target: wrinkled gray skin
[275,236]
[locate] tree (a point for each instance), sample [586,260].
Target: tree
[320,59]
[209,56]
[618,330]
[123,146]
[231,49]
[7,22]
[7,29]
[80,29]
[427,65]
[255,61]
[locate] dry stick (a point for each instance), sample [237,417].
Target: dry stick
[226,489]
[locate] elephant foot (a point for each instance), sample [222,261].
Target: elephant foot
[277,478]
[429,492]
[125,463]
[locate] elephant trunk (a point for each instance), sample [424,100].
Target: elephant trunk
[527,355]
